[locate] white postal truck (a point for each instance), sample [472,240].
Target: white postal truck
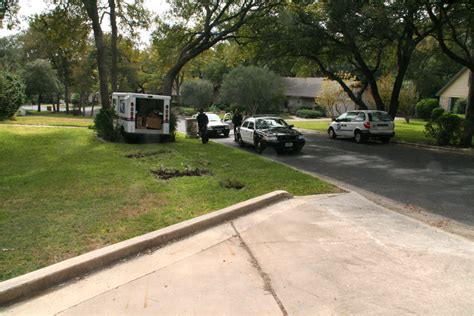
[141,114]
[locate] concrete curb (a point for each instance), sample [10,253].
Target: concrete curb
[33,282]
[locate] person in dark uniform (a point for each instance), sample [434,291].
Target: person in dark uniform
[202,120]
[237,121]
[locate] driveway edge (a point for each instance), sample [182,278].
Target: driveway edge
[459,151]
[451,150]
[42,279]
[417,213]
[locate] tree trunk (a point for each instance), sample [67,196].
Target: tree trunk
[92,12]
[113,26]
[397,87]
[92,110]
[66,96]
[83,102]
[331,75]
[58,105]
[169,78]
[374,90]
[39,102]
[466,138]
[178,81]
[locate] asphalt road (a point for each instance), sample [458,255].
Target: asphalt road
[441,183]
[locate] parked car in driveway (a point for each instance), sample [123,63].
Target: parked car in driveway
[269,131]
[362,125]
[216,126]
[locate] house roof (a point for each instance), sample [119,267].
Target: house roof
[302,87]
[451,81]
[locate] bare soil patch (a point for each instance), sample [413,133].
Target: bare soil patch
[166,174]
[232,184]
[148,154]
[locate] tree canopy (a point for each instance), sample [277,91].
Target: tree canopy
[253,89]
[197,93]
[40,79]
[418,44]
[12,94]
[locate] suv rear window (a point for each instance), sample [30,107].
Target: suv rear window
[379,117]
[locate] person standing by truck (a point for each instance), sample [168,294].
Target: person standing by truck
[237,121]
[202,120]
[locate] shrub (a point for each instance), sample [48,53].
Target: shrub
[424,108]
[437,112]
[104,124]
[253,89]
[12,94]
[173,122]
[309,113]
[460,106]
[197,92]
[75,98]
[316,107]
[446,129]
[186,111]
[214,109]
[222,107]
[321,109]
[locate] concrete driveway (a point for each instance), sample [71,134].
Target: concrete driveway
[328,254]
[441,183]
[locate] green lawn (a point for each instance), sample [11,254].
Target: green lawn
[63,192]
[316,125]
[413,132]
[51,119]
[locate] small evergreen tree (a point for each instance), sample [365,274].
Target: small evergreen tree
[12,94]
[197,93]
[255,89]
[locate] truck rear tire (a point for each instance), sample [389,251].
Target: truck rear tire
[128,138]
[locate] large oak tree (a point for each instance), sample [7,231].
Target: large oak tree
[360,37]
[199,25]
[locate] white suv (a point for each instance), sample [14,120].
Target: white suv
[362,125]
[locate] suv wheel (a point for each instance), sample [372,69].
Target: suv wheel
[331,133]
[358,137]
[259,147]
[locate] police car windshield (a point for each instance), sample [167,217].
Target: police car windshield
[270,123]
[213,117]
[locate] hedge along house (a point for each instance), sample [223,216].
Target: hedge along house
[456,88]
[300,92]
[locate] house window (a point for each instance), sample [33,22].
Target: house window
[451,103]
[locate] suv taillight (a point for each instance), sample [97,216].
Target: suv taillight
[367,124]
